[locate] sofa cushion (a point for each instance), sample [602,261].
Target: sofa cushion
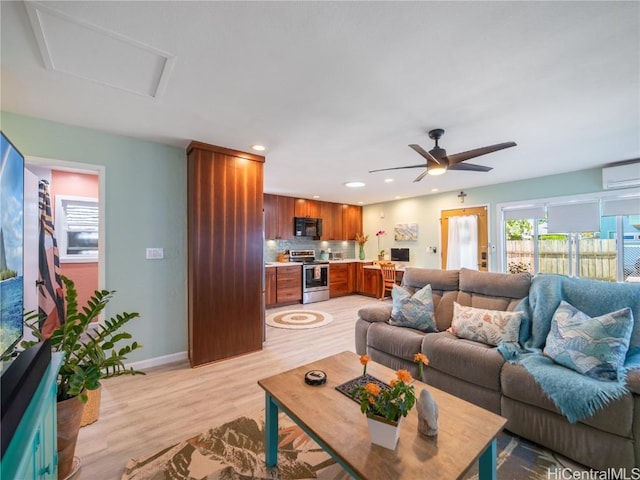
[487,326]
[375,313]
[470,361]
[400,342]
[493,291]
[518,384]
[413,311]
[596,347]
[444,290]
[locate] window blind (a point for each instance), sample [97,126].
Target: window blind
[621,206]
[574,217]
[524,213]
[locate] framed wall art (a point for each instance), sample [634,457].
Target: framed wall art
[405,232]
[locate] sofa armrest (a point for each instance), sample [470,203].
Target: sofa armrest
[375,313]
[633,380]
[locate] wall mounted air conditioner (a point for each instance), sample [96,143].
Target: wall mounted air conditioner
[621,176]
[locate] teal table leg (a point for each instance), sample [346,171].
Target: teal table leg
[487,464]
[271,432]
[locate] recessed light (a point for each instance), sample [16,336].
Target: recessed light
[258,148]
[434,189]
[355,184]
[360,203]
[316,196]
[388,180]
[398,197]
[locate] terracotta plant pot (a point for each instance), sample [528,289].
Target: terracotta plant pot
[69,417]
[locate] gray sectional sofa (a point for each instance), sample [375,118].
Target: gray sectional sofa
[478,373]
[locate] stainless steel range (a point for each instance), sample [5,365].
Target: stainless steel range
[315,275]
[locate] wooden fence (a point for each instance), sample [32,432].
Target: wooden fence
[597,257]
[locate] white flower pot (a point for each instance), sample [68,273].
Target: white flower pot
[384,433]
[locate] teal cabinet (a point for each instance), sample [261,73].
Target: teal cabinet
[32,452]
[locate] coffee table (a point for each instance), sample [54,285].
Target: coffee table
[466,432]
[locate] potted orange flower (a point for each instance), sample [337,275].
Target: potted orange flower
[385,407]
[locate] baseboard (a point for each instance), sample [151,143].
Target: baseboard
[158,361]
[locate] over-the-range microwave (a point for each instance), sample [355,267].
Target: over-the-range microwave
[307,227]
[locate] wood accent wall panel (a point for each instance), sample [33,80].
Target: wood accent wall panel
[225,252]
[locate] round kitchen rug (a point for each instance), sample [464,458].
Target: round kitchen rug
[299,319]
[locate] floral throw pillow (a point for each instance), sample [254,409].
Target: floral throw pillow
[595,347]
[487,326]
[415,311]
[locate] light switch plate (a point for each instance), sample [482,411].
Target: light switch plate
[155,253]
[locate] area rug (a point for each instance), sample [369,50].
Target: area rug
[235,451]
[299,319]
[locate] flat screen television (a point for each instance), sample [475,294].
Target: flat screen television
[11,244]
[399,254]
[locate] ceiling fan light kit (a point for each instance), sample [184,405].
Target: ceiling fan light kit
[438,162]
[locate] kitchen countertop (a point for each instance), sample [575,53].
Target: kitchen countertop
[346,260]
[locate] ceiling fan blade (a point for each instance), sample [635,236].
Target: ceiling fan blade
[422,165]
[422,175]
[470,167]
[461,157]
[430,158]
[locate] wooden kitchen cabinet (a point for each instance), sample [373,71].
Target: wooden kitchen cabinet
[351,278]
[270,287]
[289,284]
[286,212]
[339,222]
[351,221]
[368,280]
[270,205]
[339,279]
[342,279]
[225,252]
[307,208]
[331,214]
[278,217]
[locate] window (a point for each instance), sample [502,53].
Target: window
[577,237]
[76,221]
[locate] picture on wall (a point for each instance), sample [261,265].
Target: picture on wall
[11,244]
[406,232]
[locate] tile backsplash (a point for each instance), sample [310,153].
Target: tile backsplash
[273,247]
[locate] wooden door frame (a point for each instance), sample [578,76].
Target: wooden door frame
[483,232]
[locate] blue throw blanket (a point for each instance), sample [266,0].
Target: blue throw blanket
[576,396]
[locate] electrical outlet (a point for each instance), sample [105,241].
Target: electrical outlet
[155,253]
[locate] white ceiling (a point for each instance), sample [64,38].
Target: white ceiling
[335,89]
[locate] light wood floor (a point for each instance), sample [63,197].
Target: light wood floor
[142,414]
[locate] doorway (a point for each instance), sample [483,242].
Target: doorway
[466,225]
[78,179]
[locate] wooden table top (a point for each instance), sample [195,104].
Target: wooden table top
[464,430]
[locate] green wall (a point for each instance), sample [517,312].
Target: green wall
[145,196]
[146,207]
[426,211]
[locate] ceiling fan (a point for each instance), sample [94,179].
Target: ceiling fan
[439,162]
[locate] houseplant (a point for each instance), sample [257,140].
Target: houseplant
[386,407]
[381,252]
[90,355]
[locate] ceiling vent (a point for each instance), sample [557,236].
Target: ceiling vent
[621,176]
[75,47]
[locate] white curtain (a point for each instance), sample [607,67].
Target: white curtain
[462,245]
